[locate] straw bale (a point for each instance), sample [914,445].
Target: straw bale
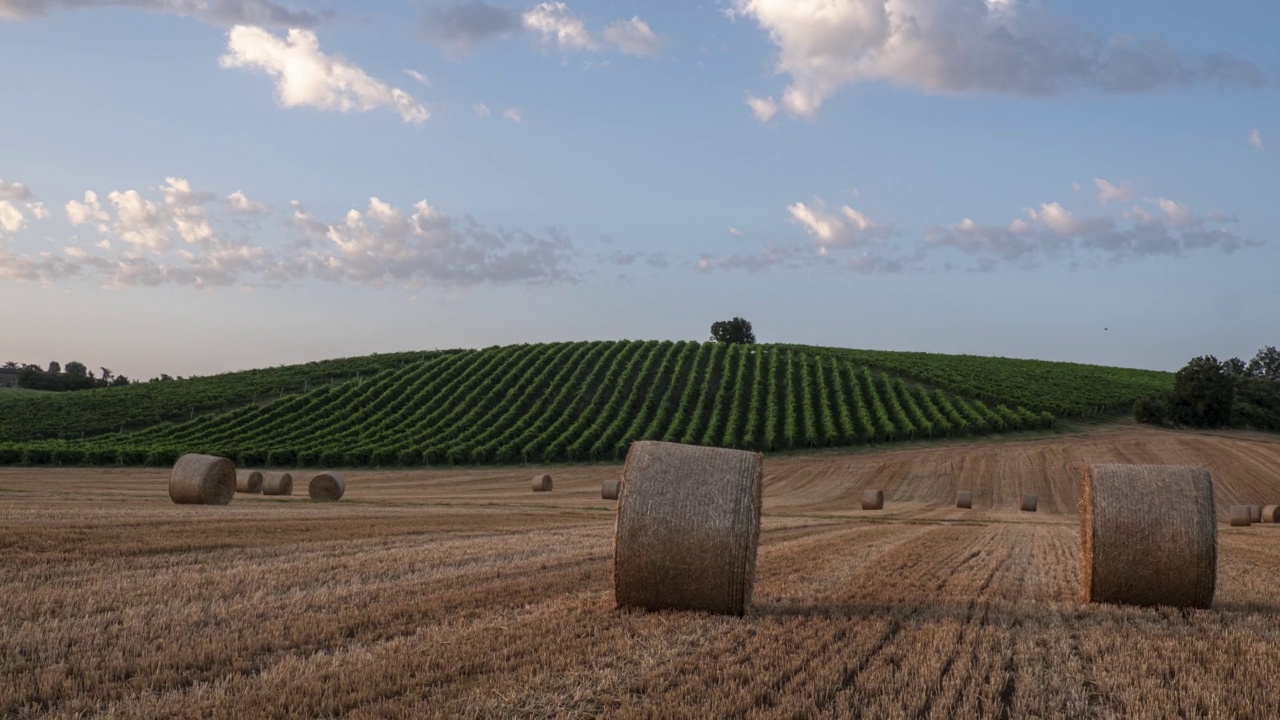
[872,499]
[327,487]
[277,484]
[1271,513]
[1241,516]
[1030,502]
[202,480]
[248,481]
[688,528]
[1132,555]
[609,490]
[542,483]
[964,499]
[1255,513]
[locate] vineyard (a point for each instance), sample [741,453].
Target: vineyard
[555,402]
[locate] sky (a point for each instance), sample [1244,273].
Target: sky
[201,186]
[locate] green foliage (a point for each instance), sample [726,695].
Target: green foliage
[1203,394]
[733,332]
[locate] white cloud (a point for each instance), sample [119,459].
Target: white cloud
[218,12]
[1255,140]
[38,210]
[633,37]
[842,229]
[14,191]
[1108,192]
[555,24]
[240,203]
[963,46]
[89,211]
[735,231]
[305,76]
[762,108]
[482,110]
[139,222]
[512,114]
[1056,218]
[1179,214]
[422,79]
[11,218]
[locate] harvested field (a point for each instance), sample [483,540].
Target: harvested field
[459,593]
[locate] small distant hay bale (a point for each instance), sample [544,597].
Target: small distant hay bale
[248,481]
[1029,502]
[1241,516]
[1132,555]
[542,483]
[202,480]
[872,499]
[1255,513]
[277,484]
[688,528]
[1271,513]
[326,487]
[964,499]
[609,490]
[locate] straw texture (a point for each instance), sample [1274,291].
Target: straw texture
[248,481]
[277,484]
[688,528]
[1132,555]
[1241,516]
[542,483]
[1271,513]
[327,487]
[1030,502]
[202,480]
[609,490]
[872,499]
[1255,513]
[964,499]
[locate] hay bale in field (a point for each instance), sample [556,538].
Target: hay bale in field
[1255,513]
[872,499]
[1030,502]
[688,528]
[1132,555]
[202,480]
[542,483]
[326,487]
[1241,516]
[277,484]
[1271,513]
[964,499]
[248,481]
[609,490]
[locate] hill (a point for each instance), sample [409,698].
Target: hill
[560,402]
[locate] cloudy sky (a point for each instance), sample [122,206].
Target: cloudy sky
[196,186]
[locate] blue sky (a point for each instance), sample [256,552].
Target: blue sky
[1081,181]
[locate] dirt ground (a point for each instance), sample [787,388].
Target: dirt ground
[461,593]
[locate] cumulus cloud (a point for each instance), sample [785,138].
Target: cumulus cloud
[239,203]
[762,108]
[11,218]
[306,77]
[634,37]
[1255,140]
[1108,193]
[218,12]
[1010,47]
[553,23]
[14,191]
[843,228]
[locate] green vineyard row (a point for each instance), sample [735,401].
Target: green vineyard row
[560,402]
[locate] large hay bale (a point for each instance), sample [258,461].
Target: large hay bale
[609,490]
[277,484]
[1271,513]
[872,499]
[326,487]
[248,481]
[1030,502]
[1255,513]
[542,483]
[688,528]
[202,480]
[1241,516]
[964,499]
[1132,555]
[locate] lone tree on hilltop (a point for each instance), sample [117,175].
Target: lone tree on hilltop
[733,332]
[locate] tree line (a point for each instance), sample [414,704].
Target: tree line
[1214,394]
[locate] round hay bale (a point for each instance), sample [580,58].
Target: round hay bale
[964,499]
[277,484]
[609,490]
[248,481]
[542,483]
[326,487]
[1131,555]
[1030,502]
[1271,513]
[1241,516]
[1255,513]
[688,528]
[872,499]
[202,480]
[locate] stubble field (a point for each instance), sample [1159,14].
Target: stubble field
[461,593]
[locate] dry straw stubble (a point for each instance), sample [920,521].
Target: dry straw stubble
[1030,502]
[248,481]
[202,480]
[609,489]
[542,483]
[1132,555]
[277,484]
[964,499]
[1241,516]
[872,499]
[327,487]
[688,528]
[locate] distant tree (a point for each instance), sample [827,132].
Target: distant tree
[1235,367]
[120,381]
[10,365]
[1153,410]
[733,332]
[106,375]
[1203,394]
[77,369]
[1266,364]
[54,367]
